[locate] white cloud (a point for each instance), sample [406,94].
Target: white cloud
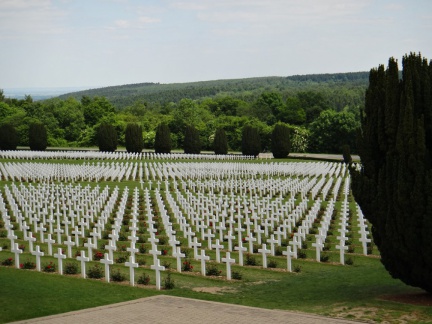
[24,19]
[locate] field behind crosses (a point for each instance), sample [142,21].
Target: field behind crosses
[199,197]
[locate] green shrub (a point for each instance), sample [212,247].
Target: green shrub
[95,272]
[49,267]
[324,257]
[117,275]
[272,264]
[70,268]
[168,282]
[7,262]
[237,275]
[280,141]
[250,260]
[144,279]
[212,270]
[27,265]
[301,254]
[134,141]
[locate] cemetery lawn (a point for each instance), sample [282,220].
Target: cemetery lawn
[351,292]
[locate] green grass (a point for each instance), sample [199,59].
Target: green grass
[325,289]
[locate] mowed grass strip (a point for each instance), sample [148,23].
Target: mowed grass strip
[328,289]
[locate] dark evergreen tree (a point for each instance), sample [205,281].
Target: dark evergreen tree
[251,141]
[394,184]
[133,138]
[163,139]
[107,138]
[38,139]
[346,153]
[280,141]
[8,137]
[220,144]
[191,144]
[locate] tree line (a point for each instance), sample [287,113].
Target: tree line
[315,124]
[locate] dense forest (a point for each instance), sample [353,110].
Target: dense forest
[322,111]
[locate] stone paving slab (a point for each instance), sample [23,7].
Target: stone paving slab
[168,309]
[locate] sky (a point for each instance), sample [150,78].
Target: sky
[97,43]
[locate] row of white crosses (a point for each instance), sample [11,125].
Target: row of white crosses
[256,213]
[59,210]
[156,171]
[119,155]
[344,217]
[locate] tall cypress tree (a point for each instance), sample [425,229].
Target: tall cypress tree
[133,138]
[394,185]
[191,144]
[163,139]
[8,137]
[220,144]
[251,141]
[38,139]
[280,141]
[107,138]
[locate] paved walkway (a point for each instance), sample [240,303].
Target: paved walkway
[168,309]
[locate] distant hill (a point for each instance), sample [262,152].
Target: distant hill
[245,89]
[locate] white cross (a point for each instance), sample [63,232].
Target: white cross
[31,239]
[89,245]
[241,249]
[17,251]
[69,244]
[195,246]
[38,254]
[178,255]
[288,254]
[154,251]
[132,265]
[157,268]
[60,256]
[264,253]
[229,237]
[106,261]
[110,247]
[342,248]
[83,260]
[203,258]
[76,232]
[251,240]
[218,247]
[272,242]
[318,246]
[49,241]
[228,260]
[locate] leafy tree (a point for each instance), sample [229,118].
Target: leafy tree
[134,138]
[220,144]
[163,139]
[267,106]
[191,143]
[107,138]
[293,112]
[299,139]
[96,108]
[8,137]
[38,139]
[251,141]
[393,186]
[280,142]
[313,104]
[2,97]
[331,130]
